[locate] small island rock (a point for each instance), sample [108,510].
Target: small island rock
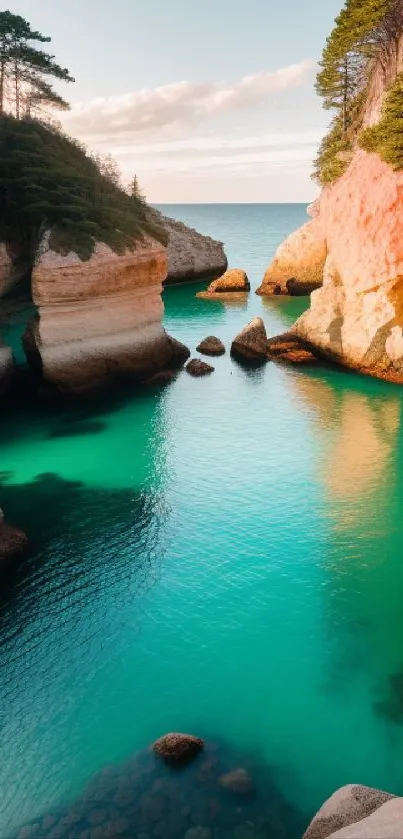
[197,367]
[238,782]
[211,346]
[234,281]
[250,346]
[178,749]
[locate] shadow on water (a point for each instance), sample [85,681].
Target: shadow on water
[141,797]
[69,428]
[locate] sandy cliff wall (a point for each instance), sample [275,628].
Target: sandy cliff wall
[298,263]
[98,320]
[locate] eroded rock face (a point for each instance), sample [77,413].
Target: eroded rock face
[250,346]
[6,368]
[232,282]
[192,256]
[99,320]
[356,812]
[12,267]
[211,346]
[13,544]
[297,268]
[356,318]
[178,749]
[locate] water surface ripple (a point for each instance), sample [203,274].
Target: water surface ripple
[222,556]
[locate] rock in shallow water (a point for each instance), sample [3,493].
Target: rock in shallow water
[211,346]
[238,782]
[178,749]
[198,368]
[289,349]
[233,281]
[250,346]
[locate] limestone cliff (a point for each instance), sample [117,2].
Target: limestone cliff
[356,318]
[191,256]
[100,319]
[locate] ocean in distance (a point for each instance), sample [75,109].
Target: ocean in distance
[221,557]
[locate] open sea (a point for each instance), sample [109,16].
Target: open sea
[222,557]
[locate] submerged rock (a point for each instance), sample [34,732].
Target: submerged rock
[191,256]
[289,349]
[297,268]
[356,812]
[197,367]
[250,346]
[211,346]
[13,543]
[238,782]
[178,749]
[234,281]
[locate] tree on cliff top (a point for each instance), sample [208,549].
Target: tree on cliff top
[364,33]
[25,70]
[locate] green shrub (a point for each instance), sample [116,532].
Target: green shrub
[48,181]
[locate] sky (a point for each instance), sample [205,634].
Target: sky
[207,101]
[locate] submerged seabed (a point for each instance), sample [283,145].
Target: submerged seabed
[141,797]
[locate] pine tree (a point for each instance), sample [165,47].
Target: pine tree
[25,70]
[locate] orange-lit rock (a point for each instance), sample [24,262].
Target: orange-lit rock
[298,265]
[356,318]
[234,281]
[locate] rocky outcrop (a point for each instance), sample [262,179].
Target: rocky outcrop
[99,320]
[13,544]
[211,346]
[196,367]
[178,749]
[297,268]
[250,346]
[289,349]
[191,256]
[233,282]
[356,812]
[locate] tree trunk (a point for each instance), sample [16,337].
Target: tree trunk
[17,90]
[345,95]
[2,74]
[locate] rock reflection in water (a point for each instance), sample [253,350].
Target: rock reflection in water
[144,798]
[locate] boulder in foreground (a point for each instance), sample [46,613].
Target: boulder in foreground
[357,812]
[211,346]
[250,346]
[178,749]
[196,367]
[234,281]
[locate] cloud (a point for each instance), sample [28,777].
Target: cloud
[135,116]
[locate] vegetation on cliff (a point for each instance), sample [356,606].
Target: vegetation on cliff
[25,70]
[365,32]
[386,138]
[47,180]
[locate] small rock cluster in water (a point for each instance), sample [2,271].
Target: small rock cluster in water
[222,794]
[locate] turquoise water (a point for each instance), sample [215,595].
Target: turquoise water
[222,556]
